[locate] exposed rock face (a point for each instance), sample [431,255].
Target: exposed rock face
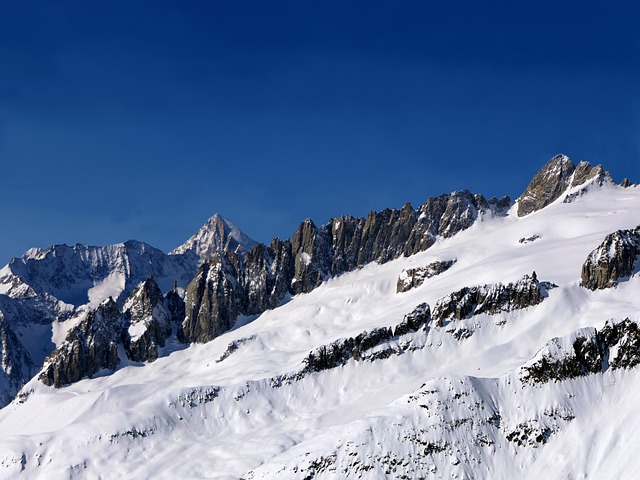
[626,183]
[174,305]
[148,322]
[413,321]
[588,176]
[311,263]
[258,280]
[615,258]
[414,277]
[218,234]
[555,178]
[213,299]
[547,185]
[341,351]
[89,347]
[17,366]
[266,276]
[489,299]
[585,172]
[616,346]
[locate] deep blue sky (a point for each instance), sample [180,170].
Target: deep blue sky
[140,120]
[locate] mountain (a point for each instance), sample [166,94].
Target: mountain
[465,338]
[216,235]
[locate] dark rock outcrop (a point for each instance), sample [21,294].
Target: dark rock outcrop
[89,347]
[616,346]
[489,299]
[615,258]
[360,347]
[530,239]
[174,304]
[213,299]
[148,322]
[414,277]
[585,172]
[412,322]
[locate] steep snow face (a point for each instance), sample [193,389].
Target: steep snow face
[85,274]
[428,401]
[216,235]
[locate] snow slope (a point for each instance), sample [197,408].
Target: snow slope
[435,405]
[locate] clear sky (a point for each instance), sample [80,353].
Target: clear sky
[132,119]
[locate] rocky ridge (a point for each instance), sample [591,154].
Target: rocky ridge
[239,277]
[490,299]
[414,277]
[616,345]
[229,285]
[149,322]
[140,328]
[554,179]
[89,347]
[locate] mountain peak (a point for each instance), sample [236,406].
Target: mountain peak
[557,176]
[217,234]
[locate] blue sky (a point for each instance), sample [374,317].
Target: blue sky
[140,120]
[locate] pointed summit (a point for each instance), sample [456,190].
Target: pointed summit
[216,235]
[555,178]
[547,185]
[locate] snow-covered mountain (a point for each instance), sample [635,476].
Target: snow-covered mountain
[467,338]
[216,235]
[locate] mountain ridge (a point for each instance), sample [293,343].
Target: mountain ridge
[294,388]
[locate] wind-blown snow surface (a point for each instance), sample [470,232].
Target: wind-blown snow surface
[443,408]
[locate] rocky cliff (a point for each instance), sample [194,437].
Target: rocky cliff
[140,329]
[489,299]
[554,179]
[229,284]
[148,322]
[615,258]
[89,347]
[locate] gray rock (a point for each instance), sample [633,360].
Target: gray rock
[175,305]
[213,299]
[257,280]
[266,276]
[414,277]
[585,172]
[310,249]
[615,258]
[89,347]
[360,347]
[626,183]
[490,299]
[547,185]
[17,366]
[148,323]
[412,322]
[530,239]
[616,346]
